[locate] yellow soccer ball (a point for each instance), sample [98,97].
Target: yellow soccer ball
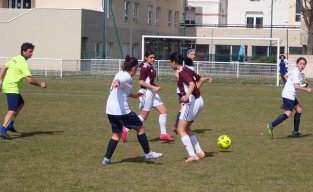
[224,142]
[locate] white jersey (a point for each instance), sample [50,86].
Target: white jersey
[117,103]
[289,90]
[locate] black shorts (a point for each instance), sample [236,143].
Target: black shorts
[289,104]
[130,120]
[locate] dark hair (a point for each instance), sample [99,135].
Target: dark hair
[280,57]
[26,46]
[188,61]
[177,57]
[149,52]
[129,63]
[301,58]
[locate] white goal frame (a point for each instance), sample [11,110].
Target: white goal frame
[277,40]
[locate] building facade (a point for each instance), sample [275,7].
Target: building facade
[76,29]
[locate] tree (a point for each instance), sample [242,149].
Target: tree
[307,14]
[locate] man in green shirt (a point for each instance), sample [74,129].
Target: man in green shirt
[11,77]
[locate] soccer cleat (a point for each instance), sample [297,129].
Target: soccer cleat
[153,155]
[5,135]
[124,134]
[200,154]
[296,134]
[192,159]
[166,137]
[106,161]
[12,129]
[269,130]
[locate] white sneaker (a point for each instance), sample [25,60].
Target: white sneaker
[153,155]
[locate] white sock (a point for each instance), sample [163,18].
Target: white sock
[187,142]
[162,122]
[141,118]
[195,143]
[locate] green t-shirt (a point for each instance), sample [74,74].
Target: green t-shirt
[17,70]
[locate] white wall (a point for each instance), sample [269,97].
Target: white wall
[282,11]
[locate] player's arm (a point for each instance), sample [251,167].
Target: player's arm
[202,80]
[147,85]
[35,82]
[191,87]
[135,95]
[305,89]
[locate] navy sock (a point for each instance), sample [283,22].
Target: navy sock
[143,140]
[11,123]
[3,129]
[177,120]
[111,148]
[296,120]
[279,120]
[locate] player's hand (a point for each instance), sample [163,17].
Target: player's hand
[115,84]
[157,88]
[210,79]
[309,89]
[43,84]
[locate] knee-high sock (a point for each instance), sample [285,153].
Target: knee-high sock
[195,143]
[162,122]
[143,140]
[296,120]
[111,148]
[188,145]
[279,120]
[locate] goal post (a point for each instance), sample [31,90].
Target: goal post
[248,57]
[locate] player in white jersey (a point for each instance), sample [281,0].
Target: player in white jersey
[119,113]
[290,101]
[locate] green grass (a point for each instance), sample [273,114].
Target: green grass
[65,133]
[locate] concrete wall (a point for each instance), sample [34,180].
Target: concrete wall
[56,33]
[283,11]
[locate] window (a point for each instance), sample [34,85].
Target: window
[149,15]
[109,47]
[295,50]
[259,22]
[19,4]
[250,21]
[170,18]
[98,50]
[135,12]
[125,49]
[126,10]
[254,19]
[157,15]
[135,50]
[176,18]
[298,11]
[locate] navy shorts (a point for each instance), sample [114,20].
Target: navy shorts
[289,104]
[14,101]
[130,120]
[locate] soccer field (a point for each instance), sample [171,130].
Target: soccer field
[64,134]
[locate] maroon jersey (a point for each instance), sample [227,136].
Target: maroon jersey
[147,74]
[185,77]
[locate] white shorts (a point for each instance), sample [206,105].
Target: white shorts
[149,99]
[191,110]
